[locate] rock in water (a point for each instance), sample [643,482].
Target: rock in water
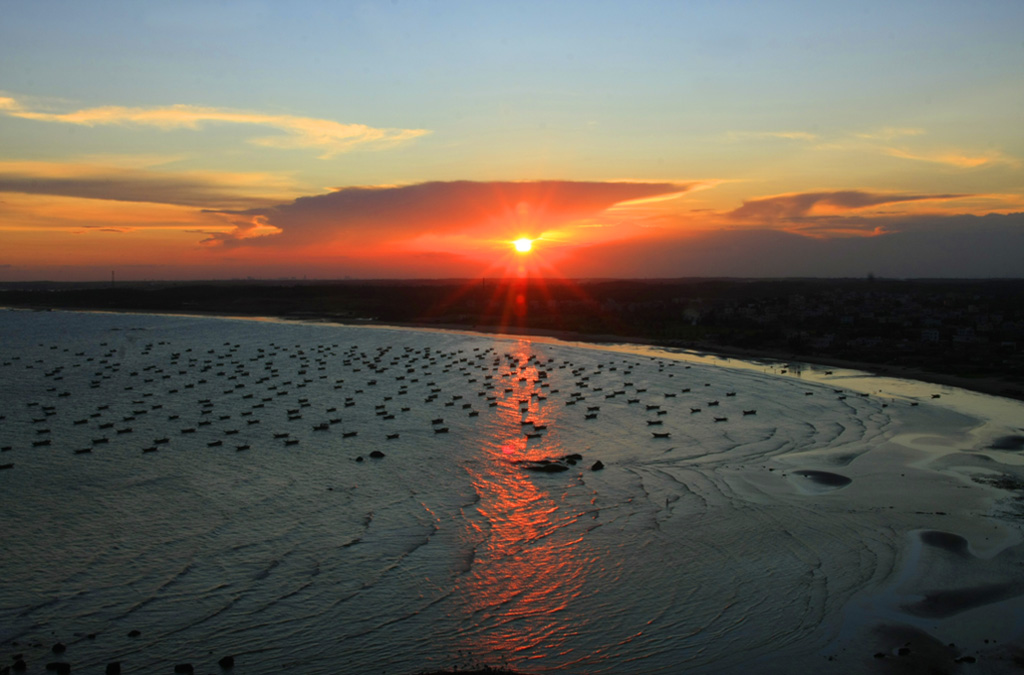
[547,467]
[227,663]
[598,465]
[184,668]
[114,668]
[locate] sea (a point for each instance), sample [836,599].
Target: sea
[320,498]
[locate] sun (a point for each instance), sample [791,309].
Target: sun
[523,245]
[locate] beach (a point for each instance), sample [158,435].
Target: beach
[306,497]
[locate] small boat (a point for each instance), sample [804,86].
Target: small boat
[749,412]
[661,434]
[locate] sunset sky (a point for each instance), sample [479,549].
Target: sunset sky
[209,140]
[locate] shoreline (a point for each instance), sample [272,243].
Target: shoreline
[983,385]
[990,386]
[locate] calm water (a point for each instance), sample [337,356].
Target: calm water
[171,477]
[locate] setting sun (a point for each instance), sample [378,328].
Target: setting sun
[523,245]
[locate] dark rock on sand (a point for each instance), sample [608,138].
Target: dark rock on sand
[1008,443]
[940,604]
[825,478]
[947,541]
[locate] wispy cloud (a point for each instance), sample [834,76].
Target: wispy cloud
[881,141]
[117,183]
[329,137]
[779,209]
[955,158]
[889,133]
[768,135]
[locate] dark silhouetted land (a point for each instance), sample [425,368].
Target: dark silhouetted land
[967,333]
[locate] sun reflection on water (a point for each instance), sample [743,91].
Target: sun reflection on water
[528,567]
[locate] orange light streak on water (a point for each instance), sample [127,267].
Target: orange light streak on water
[528,567]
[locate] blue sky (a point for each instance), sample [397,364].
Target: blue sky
[747,100]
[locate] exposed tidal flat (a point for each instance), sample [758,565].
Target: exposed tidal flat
[323,499]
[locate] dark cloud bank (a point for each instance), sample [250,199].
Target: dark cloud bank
[910,247]
[360,214]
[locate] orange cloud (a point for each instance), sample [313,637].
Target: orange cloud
[328,136]
[354,217]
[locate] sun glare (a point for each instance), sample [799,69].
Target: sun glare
[523,245]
